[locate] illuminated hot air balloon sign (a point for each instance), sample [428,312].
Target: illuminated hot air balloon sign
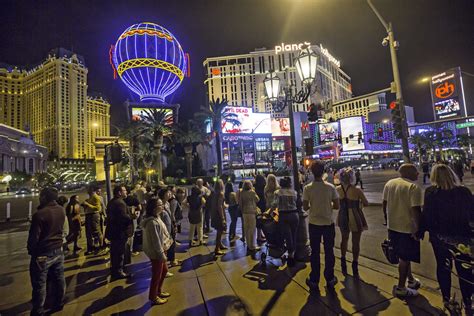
[150,61]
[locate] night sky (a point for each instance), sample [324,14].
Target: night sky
[434,36]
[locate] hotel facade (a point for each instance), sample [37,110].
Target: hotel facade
[50,101]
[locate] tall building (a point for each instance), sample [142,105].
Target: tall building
[239,78]
[358,106]
[11,96]
[50,101]
[98,118]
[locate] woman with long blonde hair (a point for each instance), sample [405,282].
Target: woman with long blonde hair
[448,210]
[270,188]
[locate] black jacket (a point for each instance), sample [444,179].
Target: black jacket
[46,230]
[119,222]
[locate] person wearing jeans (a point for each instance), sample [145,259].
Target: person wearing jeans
[285,201]
[45,240]
[320,199]
[119,229]
[156,242]
[448,214]
[328,234]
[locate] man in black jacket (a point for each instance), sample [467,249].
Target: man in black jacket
[119,229]
[45,242]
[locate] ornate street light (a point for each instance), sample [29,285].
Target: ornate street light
[272,86]
[306,66]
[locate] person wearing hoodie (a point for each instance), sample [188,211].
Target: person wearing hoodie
[156,242]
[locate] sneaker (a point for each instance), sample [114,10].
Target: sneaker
[404,292]
[169,274]
[164,295]
[177,243]
[414,284]
[175,263]
[224,247]
[205,236]
[135,253]
[219,252]
[332,283]
[158,301]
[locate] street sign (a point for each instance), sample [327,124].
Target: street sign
[464,125]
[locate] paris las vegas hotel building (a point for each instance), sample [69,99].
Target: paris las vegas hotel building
[239,80]
[51,102]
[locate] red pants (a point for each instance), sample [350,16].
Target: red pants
[158,274]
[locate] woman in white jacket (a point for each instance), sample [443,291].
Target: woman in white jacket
[156,241]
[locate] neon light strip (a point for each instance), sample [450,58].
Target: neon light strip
[149,62]
[146,32]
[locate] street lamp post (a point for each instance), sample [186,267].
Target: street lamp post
[306,65]
[396,78]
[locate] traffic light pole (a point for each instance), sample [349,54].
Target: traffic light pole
[396,78]
[108,183]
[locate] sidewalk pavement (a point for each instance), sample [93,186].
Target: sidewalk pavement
[204,285]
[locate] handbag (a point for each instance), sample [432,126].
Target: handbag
[389,251]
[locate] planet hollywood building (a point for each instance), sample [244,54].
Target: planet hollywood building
[239,80]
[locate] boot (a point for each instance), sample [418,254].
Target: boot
[343,265]
[355,269]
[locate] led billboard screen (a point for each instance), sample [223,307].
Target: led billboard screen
[352,126]
[447,94]
[138,112]
[242,120]
[328,132]
[281,126]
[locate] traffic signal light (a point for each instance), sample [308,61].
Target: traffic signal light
[115,153]
[396,119]
[313,113]
[380,132]
[308,143]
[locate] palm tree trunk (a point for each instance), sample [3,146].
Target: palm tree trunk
[219,154]
[188,151]
[158,165]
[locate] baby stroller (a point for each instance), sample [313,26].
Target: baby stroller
[275,246]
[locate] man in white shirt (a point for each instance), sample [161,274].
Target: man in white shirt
[402,202]
[320,198]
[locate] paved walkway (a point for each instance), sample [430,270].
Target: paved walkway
[206,286]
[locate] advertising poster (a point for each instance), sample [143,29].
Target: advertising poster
[242,120]
[447,94]
[280,126]
[138,112]
[352,126]
[328,132]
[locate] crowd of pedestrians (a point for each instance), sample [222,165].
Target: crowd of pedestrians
[150,219]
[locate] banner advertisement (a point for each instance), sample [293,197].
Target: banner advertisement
[139,112]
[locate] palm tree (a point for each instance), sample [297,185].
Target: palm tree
[420,141]
[131,133]
[153,126]
[216,114]
[187,133]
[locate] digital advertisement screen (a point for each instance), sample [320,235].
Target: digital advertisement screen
[447,108]
[447,94]
[328,132]
[281,126]
[137,114]
[242,120]
[352,126]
